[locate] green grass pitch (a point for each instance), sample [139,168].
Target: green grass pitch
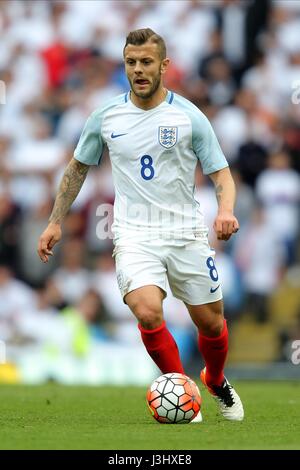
[61,417]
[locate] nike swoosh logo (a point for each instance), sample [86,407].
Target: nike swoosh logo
[114,136]
[212,290]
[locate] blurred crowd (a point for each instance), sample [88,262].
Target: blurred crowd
[238,61]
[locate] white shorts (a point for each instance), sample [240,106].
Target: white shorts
[189,267]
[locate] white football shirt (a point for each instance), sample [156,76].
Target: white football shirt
[153,155]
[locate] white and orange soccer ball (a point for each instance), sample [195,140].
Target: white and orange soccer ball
[174,398]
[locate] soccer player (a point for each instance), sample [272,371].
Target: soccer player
[155,139]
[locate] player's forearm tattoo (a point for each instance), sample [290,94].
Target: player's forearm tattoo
[70,186]
[219,190]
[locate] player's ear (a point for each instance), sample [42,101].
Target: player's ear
[164,65]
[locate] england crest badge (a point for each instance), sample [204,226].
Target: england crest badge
[167,136]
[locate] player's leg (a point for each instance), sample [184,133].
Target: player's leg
[213,344]
[212,338]
[141,277]
[194,279]
[146,304]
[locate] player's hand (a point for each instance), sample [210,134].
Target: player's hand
[225,225]
[47,240]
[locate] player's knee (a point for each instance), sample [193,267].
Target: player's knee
[151,323]
[148,316]
[212,328]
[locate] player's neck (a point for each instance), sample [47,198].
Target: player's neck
[148,103]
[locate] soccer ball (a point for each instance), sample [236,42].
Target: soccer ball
[173,398]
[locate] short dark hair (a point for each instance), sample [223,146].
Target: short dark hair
[141,36]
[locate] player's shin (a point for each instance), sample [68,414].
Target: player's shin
[162,348]
[214,351]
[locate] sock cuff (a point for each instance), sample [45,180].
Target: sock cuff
[223,334]
[149,332]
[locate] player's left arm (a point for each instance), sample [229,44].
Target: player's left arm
[225,223]
[214,164]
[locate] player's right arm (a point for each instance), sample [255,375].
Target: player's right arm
[88,152]
[71,183]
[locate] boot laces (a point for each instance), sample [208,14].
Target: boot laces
[224,393]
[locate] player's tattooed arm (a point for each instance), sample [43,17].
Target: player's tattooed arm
[70,186]
[225,223]
[219,190]
[72,181]
[225,189]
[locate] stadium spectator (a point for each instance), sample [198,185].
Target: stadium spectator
[278,190]
[261,260]
[72,279]
[16,298]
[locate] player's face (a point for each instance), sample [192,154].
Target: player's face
[144,68]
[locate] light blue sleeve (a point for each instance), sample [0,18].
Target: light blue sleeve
[204,141]
[206,145]
[90,146]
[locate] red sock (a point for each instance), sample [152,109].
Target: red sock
[162,348]
[214,352]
